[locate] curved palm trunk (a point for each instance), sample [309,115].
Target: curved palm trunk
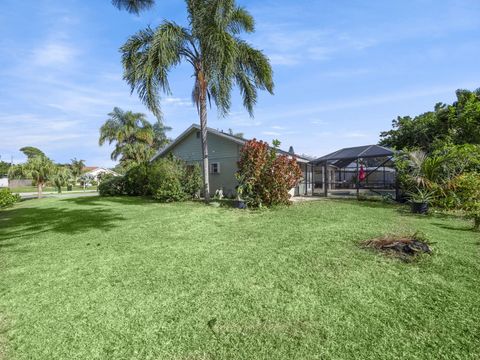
[203,130]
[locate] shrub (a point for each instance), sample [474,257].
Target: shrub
[466,188]
[171,179]
[192,180]
[7,198]
[136,180]
[166,180]
[170,190]
[113,186]
[264,177]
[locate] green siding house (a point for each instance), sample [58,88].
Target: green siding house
[223,155]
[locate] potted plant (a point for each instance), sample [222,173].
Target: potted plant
[239,203]
[420,200]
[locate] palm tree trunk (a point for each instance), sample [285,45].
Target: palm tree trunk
[203,131]
[39,190]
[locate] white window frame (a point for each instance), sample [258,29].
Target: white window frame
[212,168]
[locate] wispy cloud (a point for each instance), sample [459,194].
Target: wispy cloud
[271,133]
[54,54]
[287,47]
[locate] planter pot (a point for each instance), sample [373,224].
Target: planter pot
[419,207]
[239,204]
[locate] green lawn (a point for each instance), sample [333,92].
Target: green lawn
[125,278]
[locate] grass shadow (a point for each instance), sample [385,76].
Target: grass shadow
[30,221]
[102,200]
[455,228]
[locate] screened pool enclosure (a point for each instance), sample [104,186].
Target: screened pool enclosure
[367,170]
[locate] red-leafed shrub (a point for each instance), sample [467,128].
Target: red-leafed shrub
[265,177]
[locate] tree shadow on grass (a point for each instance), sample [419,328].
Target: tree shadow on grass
[30,221]
[100,200]
[455,228]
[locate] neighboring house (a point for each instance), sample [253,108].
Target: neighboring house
[94,173]
[223,155]
[3,182]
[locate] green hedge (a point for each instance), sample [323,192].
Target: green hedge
[7,198]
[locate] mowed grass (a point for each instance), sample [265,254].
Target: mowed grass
[127,278]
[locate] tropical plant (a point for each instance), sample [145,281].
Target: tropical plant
[211,44]
[39,168]
[7,198]
[421,196]
[76,167]
[61,177]
[136,140]
[265,178]
[133,6]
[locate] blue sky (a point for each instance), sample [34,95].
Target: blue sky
[342,69]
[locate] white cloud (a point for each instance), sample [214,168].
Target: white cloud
[54,54]
[354,134]
[175,101]
[271,133]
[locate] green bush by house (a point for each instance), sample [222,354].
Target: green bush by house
[7,198]
[166,180]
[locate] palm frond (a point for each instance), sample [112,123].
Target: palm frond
[133,6]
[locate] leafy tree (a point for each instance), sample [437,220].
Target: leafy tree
[39,168]
[136,140]
[76,168]
[61,177]
[265,178]
[467,191]
[454,124]
[4,166]
[211,44]
[31,151]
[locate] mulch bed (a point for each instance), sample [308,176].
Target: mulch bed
[404,247]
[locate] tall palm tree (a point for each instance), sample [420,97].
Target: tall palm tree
[136,139]
[133,6]
[212,46]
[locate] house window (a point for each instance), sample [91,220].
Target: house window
[215,168]
[198,134]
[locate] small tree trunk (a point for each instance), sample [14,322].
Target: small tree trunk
[203,130]
[39,190]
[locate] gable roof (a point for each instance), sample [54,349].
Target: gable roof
[349,154]
[233,138]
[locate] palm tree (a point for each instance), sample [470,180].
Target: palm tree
[61,177]
[212,46]
[426,171]
[76,168]
[136,139]
[133,6]
[39,168]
